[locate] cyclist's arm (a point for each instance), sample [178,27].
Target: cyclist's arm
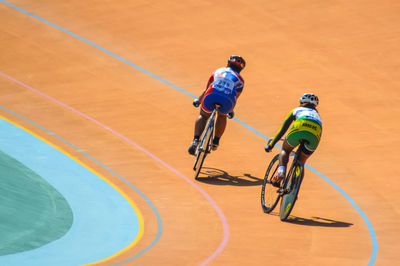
[289,119]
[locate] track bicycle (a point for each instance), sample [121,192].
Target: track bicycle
[289,186]
[206,139]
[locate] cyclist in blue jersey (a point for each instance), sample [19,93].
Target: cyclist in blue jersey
[223,88]
[307,127]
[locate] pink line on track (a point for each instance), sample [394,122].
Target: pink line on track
[220,213]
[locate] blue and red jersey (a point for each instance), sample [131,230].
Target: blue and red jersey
[225,83]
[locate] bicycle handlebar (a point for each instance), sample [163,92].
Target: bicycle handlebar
[196,103]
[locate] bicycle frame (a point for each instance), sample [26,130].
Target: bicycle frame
[204,146]
[208,131]
[296,155]
[289,189]
[291,185]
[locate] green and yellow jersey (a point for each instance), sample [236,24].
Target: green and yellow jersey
[307,125]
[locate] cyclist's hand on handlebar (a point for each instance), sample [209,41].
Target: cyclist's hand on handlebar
[196,103]
[268,147]
[231,114]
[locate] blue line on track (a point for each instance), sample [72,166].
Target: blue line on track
[352,202]
[366,220]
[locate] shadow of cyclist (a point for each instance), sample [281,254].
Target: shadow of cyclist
[317,221]
[220,177]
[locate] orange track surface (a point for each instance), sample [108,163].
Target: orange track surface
[347,52]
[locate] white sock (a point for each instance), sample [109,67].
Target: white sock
[281,170]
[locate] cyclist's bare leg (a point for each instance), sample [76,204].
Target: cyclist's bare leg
[199,126]
[220,125]
[284,155]
[201,122]
[303,157]
[283,160]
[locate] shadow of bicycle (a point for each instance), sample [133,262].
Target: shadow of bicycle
[314,221]
[220,177]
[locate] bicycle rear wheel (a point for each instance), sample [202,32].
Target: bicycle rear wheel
[291,190]
[270,194]
[203,148]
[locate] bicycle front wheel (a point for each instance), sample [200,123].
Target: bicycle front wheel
[270,194]
[291,190]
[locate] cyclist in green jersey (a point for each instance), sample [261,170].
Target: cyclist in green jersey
[307,128]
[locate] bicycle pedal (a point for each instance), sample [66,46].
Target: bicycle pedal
[283,191]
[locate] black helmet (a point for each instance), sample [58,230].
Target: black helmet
[309,98]
[236,62]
